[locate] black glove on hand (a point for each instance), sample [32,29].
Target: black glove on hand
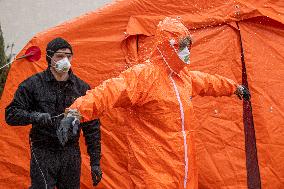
[96,174]
[243,93]
[64,130]
[41,118]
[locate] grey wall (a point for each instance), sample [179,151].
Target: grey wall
[21,19]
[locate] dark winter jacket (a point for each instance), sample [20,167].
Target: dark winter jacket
[43,93]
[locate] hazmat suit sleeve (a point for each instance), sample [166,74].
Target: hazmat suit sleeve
[204,84]
[123,91]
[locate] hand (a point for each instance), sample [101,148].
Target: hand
[96,174]
[66,124]
[72,112]
[74,117]
[41,118]
[242,92]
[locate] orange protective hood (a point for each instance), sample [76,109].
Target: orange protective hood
[167,30]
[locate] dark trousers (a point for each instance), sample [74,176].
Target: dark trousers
[51,168]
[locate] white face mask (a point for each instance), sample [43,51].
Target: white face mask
[62,65]
[184,55]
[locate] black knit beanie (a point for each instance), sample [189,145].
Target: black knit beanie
[55,45]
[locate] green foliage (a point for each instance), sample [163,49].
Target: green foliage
[3,60]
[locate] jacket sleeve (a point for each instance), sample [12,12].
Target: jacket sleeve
[123,91]
[92,133]
[204,84]
[18,112]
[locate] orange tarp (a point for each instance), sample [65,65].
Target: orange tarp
[111,39]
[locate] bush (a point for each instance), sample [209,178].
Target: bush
[4,59]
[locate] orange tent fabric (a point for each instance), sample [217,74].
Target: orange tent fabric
[111,39]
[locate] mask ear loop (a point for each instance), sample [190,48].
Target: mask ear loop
[50,58]
[53,61]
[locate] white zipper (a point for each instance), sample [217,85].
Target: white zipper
[182,122]
[183,131]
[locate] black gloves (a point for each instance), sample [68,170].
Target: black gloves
[96,174]
[41,118]
[92,133]
[243,93]
[68,126]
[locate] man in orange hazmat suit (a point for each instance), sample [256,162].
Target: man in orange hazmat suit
[159,93]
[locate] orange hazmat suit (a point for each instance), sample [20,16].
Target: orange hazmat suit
[158,94]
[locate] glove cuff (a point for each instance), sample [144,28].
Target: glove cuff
[33,117]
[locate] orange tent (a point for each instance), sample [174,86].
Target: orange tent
[116,37]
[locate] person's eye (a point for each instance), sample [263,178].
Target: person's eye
[60,56]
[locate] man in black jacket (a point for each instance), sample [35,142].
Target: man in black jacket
[40,100]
